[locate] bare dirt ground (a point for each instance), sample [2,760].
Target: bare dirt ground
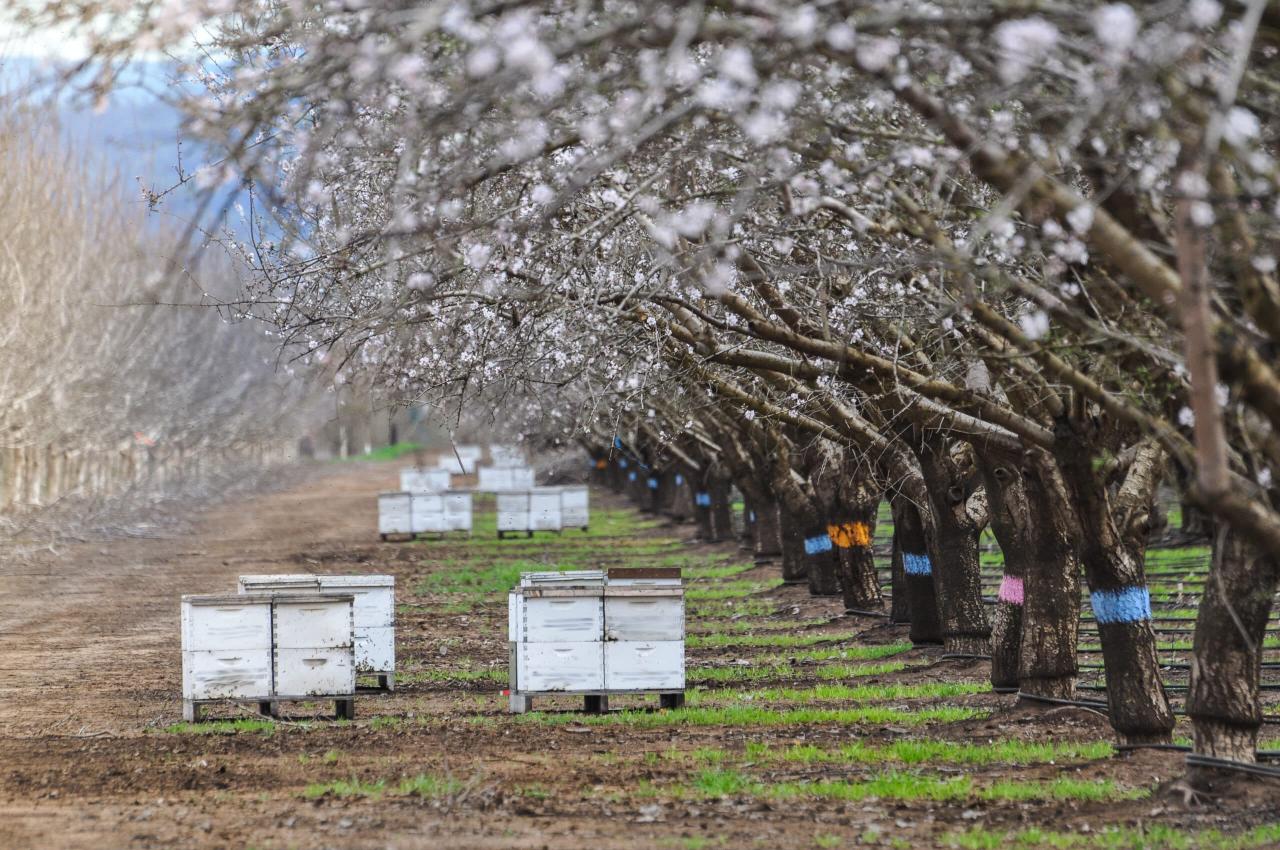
[90,756]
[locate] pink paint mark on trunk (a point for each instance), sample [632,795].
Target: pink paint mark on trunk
[1011,590]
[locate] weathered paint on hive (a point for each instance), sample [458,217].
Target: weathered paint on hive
[395,513]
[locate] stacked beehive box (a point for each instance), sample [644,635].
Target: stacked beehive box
[499,478]
[574,507]
[267,648]
[419,480]
[457,511]
[595,634]
[373,614]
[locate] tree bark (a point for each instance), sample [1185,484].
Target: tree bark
[957,580]
[767,531]
[852,535]
[795,563]
[1035,626]
[910,541]
[1223,702]
[1112,546]
[721,513]
[899,599]
[1048,663]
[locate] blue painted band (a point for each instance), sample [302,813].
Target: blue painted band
[617,443]
[622,463]
[916,565]
[1125,605]
[632,475]
[653,484]
[817,545]
[702,500]
[751,516]
[679,479]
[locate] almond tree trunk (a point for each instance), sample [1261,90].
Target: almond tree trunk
[767,529]
[852,535]
[1223,702]
[953,552]
[1036,622]
[911,543]
[721,512]
[1112,546]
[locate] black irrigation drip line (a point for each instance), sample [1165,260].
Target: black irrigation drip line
[1197,760]
[866,613]
[1096,705]
[1265,686]
[968,656]
[1176,665]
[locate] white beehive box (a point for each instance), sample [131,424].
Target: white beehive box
[266,647]
[373,613]
[644,665]
[499,478]
[457,511]
[644,631]
[513,512]
[427,514]
[557,631]
[226,647]
[416,480]
[574,507]
[544,509]
[395,514]
[314,646]
[585,632]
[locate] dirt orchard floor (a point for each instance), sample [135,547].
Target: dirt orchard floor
[90,656]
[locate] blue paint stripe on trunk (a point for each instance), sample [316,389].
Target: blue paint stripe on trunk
[631,476]
[916,565]
[653,484]
[817,545]
[702,500]
[679,479]
[622,463]
[1125,605]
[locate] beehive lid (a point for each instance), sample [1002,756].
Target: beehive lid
[572,578]
[279,581]
[226,599]
[302,598]
[644,572]
[356,581]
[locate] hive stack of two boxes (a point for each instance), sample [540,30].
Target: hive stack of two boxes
[424,504]
[285,638]
[543,509]
[597,634]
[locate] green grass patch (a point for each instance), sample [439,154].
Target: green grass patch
[222,727]
[1150,837]
[499,676]
[392,452]
[725,609]
[740,715]
[907,785]
[729,590]
[924,751]
[423,785]
[779,641]
[757,673]
[844,693]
